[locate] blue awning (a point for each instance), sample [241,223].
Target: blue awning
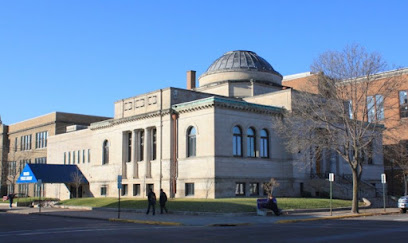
[51,173]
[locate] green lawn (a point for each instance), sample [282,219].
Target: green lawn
[229,205]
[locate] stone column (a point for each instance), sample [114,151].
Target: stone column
[134,155]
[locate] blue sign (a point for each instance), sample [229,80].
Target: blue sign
[27,176]
[119,182]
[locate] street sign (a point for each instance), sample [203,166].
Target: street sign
[331,176]
[119,182]
[383,178]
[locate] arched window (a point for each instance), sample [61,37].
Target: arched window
[251,148]
[105,153]
[191,142]
[264,145]
[237,141]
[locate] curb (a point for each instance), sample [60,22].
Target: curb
[288,221]
[135,221]
[228,225]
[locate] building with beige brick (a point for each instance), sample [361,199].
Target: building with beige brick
[213,139]
[26,142]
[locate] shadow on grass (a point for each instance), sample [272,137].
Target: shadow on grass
[224,205]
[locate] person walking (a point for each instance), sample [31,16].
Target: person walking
[162,201]
[151,199]
[10,198]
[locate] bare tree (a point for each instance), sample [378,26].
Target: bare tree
[15,165]
[343,110]
[270,186]
[77,179]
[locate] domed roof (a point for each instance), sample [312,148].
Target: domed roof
[240,65]
[235,60]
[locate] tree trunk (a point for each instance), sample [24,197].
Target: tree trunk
[77,191]
[405,184]
[354,204]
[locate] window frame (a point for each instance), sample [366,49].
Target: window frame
[189,189]
[253,192]
[191,141]
[403,106]
[240,189]
[251,142]
[264,144]
[237,141]
[105,152]
[104,190]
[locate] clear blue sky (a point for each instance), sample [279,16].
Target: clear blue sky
[81,56]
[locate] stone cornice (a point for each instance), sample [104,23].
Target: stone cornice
[114,122]
[225,103]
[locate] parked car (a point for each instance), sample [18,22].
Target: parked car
[403,204]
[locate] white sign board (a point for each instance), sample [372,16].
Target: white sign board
[331,176]
[383,178]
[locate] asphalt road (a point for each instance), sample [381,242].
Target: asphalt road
[38,228]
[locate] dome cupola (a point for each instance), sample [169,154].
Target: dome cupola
[238,66]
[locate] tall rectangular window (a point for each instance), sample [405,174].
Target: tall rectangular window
[73,157]
[153,145]
[251,147]
[191,142]
[69,157]
[136,189]
[189,189]
[15,144]
[103,190]
[264,144]
[25,142]
[12,168]
[375,108]
[148,187]
[41,139]
[83,156]
[140,146]
[240,189]
[350,109]
[124,189]
[237,141]
[65,158]
[403,101]
[129,146]
[254,189]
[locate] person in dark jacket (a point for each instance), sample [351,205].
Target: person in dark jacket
[162,201]
[10,198]
[151,199]
[272,204]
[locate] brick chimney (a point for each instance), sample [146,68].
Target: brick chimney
[191,79]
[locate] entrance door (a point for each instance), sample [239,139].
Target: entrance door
[73,192]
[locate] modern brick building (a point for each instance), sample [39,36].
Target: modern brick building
[392,112]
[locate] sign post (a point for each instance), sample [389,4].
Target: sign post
[331,179]
[383,181]
[39,182]
[119,188]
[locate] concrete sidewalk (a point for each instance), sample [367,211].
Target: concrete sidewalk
[194,219]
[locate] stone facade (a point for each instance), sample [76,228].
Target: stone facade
[212,141]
